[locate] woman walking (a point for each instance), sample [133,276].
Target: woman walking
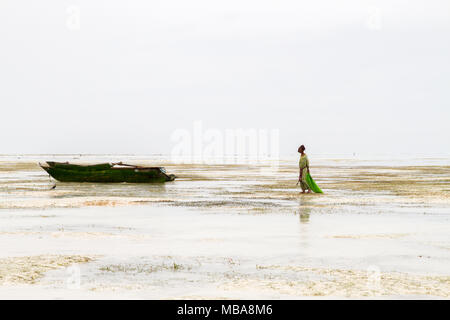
[304,169]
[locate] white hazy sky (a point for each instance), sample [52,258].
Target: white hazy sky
[338,76]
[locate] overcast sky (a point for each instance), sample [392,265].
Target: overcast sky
[337,76]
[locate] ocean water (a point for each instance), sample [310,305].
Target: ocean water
[228,230]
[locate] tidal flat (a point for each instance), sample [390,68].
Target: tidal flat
[228,230]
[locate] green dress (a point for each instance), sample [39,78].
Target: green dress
[304,164]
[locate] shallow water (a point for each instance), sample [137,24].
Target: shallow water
[381,229]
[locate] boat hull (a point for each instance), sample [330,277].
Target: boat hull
[103,174]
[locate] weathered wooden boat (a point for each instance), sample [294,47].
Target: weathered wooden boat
[105,172]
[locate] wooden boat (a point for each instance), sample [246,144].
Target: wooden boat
[105,172]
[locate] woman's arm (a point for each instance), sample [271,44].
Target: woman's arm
[307,164]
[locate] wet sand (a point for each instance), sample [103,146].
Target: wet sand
[380,230]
